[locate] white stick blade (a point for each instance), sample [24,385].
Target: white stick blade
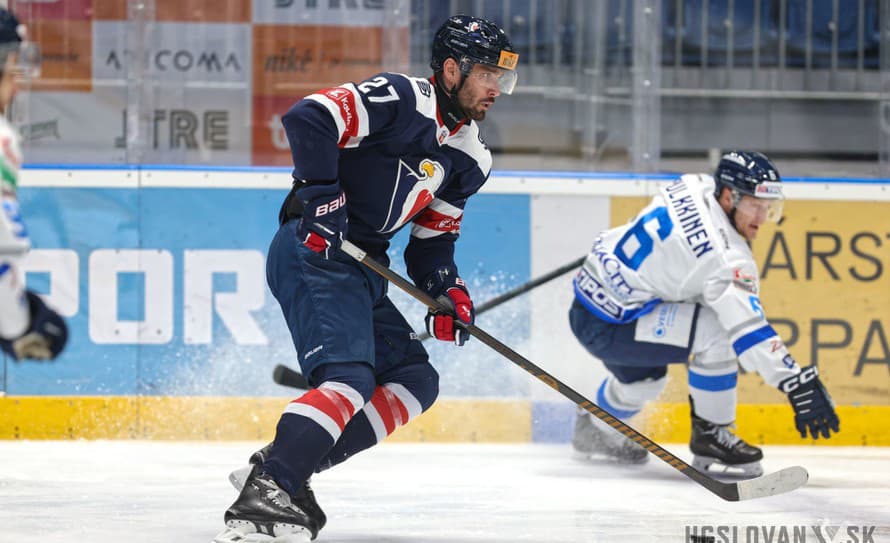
[782,481]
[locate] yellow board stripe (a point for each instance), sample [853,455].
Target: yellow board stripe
[770,424]
[236,418]
[450,420]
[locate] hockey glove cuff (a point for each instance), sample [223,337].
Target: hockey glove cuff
[450,290]
[813,408]
[324,223]
[45,337]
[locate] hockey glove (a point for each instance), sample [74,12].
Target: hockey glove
[813,408]
[45,337]
[324,223]
[450,290]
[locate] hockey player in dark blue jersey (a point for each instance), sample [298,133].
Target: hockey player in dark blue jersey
[369,159]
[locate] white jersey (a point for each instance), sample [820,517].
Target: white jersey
[14,241]
[13,236]
[682,248]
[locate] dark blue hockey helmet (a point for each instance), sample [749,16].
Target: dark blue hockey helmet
[750,173]
[13,39]
[473,40]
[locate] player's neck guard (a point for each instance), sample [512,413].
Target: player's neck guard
[452,114]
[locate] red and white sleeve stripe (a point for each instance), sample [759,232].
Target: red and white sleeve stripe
[331,406]
[344,103]
[438,218]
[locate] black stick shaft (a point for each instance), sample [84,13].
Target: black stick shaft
[724,490]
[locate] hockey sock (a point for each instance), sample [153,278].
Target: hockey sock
[308,429]
[713,393]
[391,406]
[624,400]
[409,390]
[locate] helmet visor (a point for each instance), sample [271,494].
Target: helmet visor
[506,81]
[501,76]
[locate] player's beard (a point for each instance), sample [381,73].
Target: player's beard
[475,111]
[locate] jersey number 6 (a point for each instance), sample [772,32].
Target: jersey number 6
[644,241]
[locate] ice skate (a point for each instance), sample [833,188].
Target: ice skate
[594,439]
[718,451]
[264,512]
[304,498]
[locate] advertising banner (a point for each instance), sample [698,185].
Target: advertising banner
[66,49]
[198,11]
[825,288]
[42,10]
[180,53]
[182,127]
[164,288]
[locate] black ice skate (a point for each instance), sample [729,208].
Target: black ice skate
[594,438]
[264,512]
[303,498]
[717,450]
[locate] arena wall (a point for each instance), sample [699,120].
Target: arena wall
[160,273]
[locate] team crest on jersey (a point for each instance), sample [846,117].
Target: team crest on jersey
[744,281]
[413,191]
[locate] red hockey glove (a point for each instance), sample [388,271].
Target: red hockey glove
[450,290]
[324,223]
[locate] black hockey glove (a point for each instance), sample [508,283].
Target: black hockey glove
[813,408]
[324,223]
[45,337]
[450,290]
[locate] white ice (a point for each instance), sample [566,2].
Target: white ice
[176,492]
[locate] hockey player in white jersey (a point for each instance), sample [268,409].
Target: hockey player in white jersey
[28,328]
[679,283]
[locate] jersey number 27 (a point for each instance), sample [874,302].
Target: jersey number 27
[379,81]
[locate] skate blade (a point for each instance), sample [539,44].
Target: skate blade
[239,476]
[233,535]
[713,466]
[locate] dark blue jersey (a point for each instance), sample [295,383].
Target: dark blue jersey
[385,141]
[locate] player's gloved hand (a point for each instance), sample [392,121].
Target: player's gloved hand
[323,225]
[450,290]
[813,408]
[45,337]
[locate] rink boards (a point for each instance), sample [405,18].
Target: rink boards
[160,273]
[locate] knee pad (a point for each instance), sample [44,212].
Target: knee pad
[634,374]
[421,380]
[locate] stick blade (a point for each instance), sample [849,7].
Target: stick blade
[784,480]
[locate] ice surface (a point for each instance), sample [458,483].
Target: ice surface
[176,492]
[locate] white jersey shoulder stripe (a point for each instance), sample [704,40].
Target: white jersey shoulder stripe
[345,105]
[443,207]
